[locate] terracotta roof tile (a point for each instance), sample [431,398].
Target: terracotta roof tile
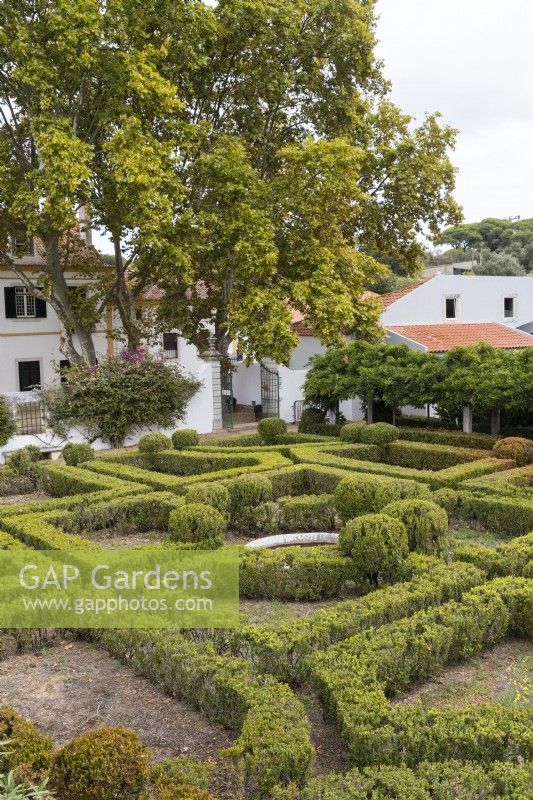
[445,336]
[391,297]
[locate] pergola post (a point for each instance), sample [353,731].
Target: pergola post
[495,421]
[370,411]
[467,419]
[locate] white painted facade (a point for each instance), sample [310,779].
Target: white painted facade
[29,348]
[479,298]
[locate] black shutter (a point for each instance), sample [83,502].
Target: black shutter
[40,307]
[11,309]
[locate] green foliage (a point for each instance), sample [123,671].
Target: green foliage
[499,264]
[183,770]
[293,573]
[25,744]
[152,443]
[100,764]
[197,525]
[515,447]
[380,434]
[419,455]
[247,492]
[271,429]
[478,441]
[307,513]
[13,787]
[313,421]
[22,461]
[399,376]
[184,438]
[7,422]
[378,544]
[352,432]
[119,395]
[210,494]
[75,454]
[363,493]
[166,788]
[443,780]
[425,521]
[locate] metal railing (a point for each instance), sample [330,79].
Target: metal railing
[29,412]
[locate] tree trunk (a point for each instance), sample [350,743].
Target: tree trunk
[495,421]
[124,300]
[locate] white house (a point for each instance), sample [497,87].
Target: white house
[30,355]
[433,315]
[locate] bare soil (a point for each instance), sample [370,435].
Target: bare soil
[277,612]
[12,499]
[75,687]
[501,675]
[331,752]
[117,537]
[476,536]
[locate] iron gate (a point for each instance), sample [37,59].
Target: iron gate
[269,392]
[226,381]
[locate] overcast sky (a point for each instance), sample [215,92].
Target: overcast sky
[472,60]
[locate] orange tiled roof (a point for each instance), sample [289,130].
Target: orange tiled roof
[390,297]
[445,336]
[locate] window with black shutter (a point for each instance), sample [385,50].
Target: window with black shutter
[29,375]
[20,303]
[170,345]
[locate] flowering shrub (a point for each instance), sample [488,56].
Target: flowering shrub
[120,395]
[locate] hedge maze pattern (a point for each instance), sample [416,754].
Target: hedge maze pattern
[438,609]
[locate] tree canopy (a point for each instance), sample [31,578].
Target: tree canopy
[497,238]
[482,377]
[244,157]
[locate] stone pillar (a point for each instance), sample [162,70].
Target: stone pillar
[467,419]
[212,356]
[495,421]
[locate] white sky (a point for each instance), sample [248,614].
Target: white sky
[472,60]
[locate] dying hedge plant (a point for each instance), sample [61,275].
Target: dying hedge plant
[101,764]
[515,447]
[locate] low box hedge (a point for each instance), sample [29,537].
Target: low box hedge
[419,455]
[506,559]
[42,532]
[356,677]
[274,745]
[442,780]
[478,441]
[9,542]
[510,516]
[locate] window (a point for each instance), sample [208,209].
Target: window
[21,244]
[29,375]
[451,307]
[21,304]
[63,365]
[170,345]
[24,302]
[508,307]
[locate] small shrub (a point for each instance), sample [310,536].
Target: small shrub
[184,438]
[22,461]
[308,513]
[153,443]
[197,524]
[27,746]
[378,545]
[105,764]
[515,447]
[14,484]
[311,419]
[363,494]
[167,789]
[75,454]
[271,429]
[352,432]
[379,433]
[210,494]
[183,770]
[426,523]
[354,495]
[448,499]
[7,423]
[247,492]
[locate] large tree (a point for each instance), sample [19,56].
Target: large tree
[88,124]
[300,167]
[245,157]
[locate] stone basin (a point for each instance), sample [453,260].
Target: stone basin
[295,539]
